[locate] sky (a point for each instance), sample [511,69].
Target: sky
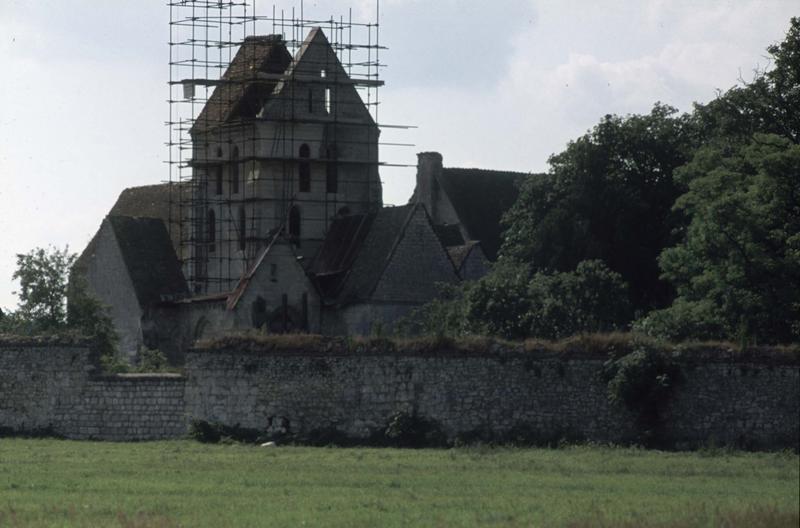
[496,85]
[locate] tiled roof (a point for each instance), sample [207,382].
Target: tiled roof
[449,234]
[458,254]
[240,91]
[480,198]
[149,257]
[356,252]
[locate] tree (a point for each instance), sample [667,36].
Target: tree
[511,304]
[52,298]
[608,197]
[43,276]
[737,271]
[769,104]
[737,265]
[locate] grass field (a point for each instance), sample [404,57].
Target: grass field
[182,483]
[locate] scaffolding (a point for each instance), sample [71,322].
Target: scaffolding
[264,128]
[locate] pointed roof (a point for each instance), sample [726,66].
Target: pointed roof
[240,89]
[481,198]
[356,252]
[148,255]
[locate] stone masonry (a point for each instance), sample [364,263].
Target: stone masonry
[356,392]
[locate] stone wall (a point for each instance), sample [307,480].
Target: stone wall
[52,389]
[720,399]
[356,389]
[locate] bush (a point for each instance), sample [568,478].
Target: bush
[642,381]
[152,361]
[213,433]
[412,430]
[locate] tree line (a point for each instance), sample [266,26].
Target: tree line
[678,225]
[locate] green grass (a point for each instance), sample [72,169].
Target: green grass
[182,483]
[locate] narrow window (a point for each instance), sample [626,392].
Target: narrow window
[216,172]
[323,73]
[242,229]
[235,171]
[211,230]
[310,101]
[305,168]
[332,170]
[328,102]
[294,224]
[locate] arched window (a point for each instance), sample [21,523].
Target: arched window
[332,170]
[211,230]
[294,224]
[235,170]
[304,168]
[242,228]
[216,172]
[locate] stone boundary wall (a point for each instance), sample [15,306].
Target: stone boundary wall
[52,389]
[55,388]
[746,404]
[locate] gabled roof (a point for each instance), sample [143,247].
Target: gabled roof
[244,282]
[240,90]
[153,201]
[480,198]
[149,258]
[356,252]
[449,234]
[458,254]
[147,201]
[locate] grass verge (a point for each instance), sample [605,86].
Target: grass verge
[183,483]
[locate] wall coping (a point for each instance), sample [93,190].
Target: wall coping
[137,377]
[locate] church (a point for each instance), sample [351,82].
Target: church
[281,226]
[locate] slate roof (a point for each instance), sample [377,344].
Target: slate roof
[449,234]
[458,254]
[239,93]
[480,198]
[148,255]
[356,252]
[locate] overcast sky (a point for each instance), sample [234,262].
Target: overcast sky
[501,85]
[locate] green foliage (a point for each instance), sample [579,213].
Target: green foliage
[411,430]
[213,433]
[737,271]
[89,317]
[53,300]
[511,304]
[608,196]
[42,275]
[642,381]
[153,361]
[768,104]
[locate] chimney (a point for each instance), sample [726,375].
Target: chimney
[429,170]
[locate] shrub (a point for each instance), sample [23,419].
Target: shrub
[642,381]
[412,430]
[153,361]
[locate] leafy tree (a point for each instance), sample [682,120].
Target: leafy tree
[43,277]
[609,197]
[737,270]
[54,299]
[549,305]
[512,303]
[88,316]
[768,104]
